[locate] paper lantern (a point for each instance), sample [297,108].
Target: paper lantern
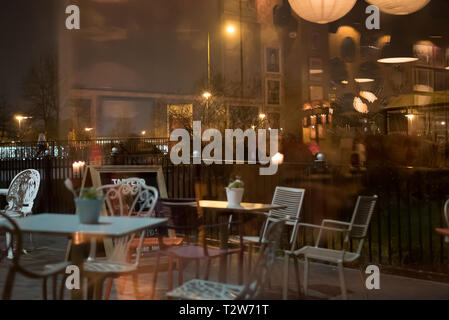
[399,7]
[321,11]
[359,106]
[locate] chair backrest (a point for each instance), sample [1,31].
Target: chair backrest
[263,268]
[292,199]
[23,191]
[183,216]
[361,217]
[129,198]
[9,225]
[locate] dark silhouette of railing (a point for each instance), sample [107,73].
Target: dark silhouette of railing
[402,233]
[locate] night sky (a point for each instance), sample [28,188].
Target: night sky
[164,47]
[26,32]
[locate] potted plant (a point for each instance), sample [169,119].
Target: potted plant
[88,204]
[234,192]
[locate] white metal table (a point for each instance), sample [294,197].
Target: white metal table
[69,225]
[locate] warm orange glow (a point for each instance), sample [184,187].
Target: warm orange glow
[207,94]
[371,97]
[277,159]
[397,60]
[262,116]
[359,106]
[363,80]
[231,29]
[383,41]
[410,116]
[345,82]
[143,133]
[88,129]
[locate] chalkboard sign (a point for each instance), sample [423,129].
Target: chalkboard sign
[152,175]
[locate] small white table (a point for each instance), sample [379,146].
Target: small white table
[69,225]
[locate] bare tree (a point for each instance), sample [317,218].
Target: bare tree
[40,90]
[6,119]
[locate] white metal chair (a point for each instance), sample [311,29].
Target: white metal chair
[20,198]
[356,229]
[291,198]
[208,290]
[125,199]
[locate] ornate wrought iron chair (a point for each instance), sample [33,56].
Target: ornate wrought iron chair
[356,230]
[122,199]
[209,290]
[7,224]
[20,198]
[148,242]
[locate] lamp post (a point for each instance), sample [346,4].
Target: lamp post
[19,119]
[241,49]
[230,30]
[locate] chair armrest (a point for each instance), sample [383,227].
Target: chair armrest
[328,221]
[322,227]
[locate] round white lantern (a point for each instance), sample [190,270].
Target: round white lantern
[321,11]
[399,7]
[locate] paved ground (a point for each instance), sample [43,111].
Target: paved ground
[323,280]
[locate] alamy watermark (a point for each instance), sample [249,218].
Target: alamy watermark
[188,149]
[372,282]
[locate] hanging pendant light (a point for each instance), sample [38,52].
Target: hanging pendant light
[397,51]
[321,11]
[399,7]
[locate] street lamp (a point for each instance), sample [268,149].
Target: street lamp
[207,95]
[20,118]
[230,29]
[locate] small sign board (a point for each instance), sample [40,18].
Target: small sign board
[106,175]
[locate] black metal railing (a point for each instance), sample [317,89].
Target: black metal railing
[82,149]
[402,232]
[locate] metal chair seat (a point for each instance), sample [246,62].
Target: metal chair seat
[196,252]
[51,269]
[328,255]
[12,214]
[108,267]
[154,242]
[206,290]
[246,239]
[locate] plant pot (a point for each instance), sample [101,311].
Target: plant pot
[234,196]
[88,210]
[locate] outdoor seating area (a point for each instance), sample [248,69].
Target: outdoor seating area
[119,240]
[189,152]
[130,243]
